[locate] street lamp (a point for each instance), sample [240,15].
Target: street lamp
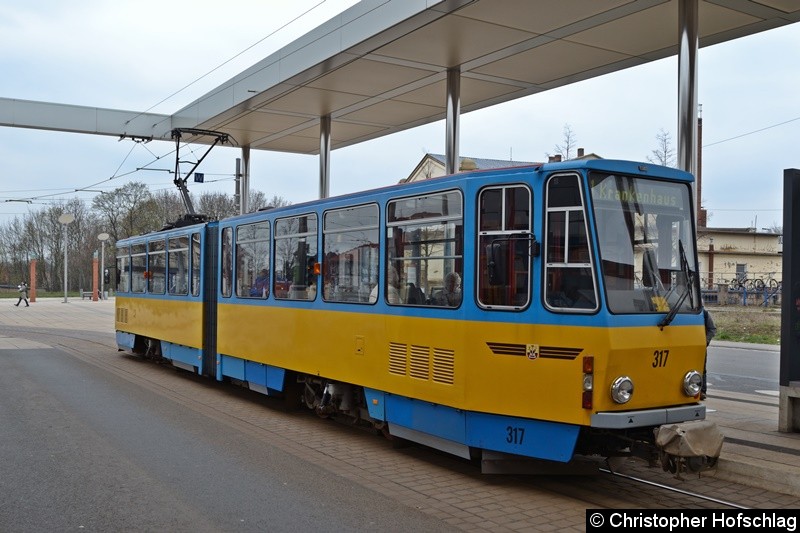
[103,238]
[66,219]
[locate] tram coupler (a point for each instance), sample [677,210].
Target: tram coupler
[688,446]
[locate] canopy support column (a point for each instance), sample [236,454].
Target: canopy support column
[688,21]
[453,116]
[243,180]
[325,156]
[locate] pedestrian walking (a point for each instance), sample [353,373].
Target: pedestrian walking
[23,294]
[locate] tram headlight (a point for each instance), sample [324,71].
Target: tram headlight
[622,389]
[692,383]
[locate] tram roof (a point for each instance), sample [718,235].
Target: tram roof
[381,66]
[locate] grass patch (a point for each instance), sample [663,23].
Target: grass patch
[747,324]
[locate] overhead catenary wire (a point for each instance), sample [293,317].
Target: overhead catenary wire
[116,174]
[751,132]
[303,14]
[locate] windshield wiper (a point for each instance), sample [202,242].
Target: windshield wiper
[689,275]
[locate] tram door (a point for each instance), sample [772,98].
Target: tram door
[505,246]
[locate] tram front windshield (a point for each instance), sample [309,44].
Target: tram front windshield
[644,228]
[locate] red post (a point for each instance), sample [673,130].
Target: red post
[94,278]
[32,275]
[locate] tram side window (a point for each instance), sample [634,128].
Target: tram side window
[504,246]
[138,267]
[350,246]
[156,267]
[226,275]
[123,270]
[252,260]
[296,258]
[569,275]
[424,251]
[178,265]
[195,264]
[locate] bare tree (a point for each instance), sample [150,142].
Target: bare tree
[664,154]
[128,210]
[217,205]
[168,206]
[569,145]
[277,201]
[257,200]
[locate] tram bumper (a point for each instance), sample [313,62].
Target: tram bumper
[692,446]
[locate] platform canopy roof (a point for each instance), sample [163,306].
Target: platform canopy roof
[381,66]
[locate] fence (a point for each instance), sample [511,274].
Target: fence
[725,295]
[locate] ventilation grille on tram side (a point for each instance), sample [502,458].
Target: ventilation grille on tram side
[122,315]
[422,362]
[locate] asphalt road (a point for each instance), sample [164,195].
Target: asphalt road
[738,367]
[85,450]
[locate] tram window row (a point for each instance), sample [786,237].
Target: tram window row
[423,265]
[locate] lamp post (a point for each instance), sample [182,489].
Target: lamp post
[103,238]
[66,219]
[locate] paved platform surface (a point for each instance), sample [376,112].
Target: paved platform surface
[754,453]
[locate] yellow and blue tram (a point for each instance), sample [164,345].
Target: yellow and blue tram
[546,312]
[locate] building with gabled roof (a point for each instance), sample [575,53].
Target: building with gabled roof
[433,166]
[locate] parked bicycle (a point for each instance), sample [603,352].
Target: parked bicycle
[769,284]
[740,283]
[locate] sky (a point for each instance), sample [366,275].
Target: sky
[160,56]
